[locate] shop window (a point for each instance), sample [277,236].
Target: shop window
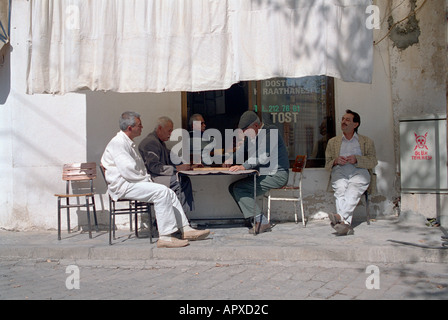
[301,108]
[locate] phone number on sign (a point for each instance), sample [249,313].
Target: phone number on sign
[282,108]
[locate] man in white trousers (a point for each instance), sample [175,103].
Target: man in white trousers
[351,159]
[127,178]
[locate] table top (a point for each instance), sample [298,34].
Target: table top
[215,170]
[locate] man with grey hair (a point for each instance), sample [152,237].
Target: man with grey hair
[157,158]
[197,122]
[127,177]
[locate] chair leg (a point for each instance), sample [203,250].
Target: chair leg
[59,218]
[94,213]
[136,224]
[150,222]
[130,216]
[269,207]
[110,228]
[303,214]
[113,226]
[68,215]
[295,212]
[303,211]
[88,216]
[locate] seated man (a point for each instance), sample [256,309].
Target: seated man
[158,162]
[351,159]
[265,152]
[127,178]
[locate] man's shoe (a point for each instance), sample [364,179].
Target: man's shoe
[334,218]
[173,242]
[261,228]
[343,229]
[194,235]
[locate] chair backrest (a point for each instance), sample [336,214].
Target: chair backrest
[103,171]
[299,164]
[79,171]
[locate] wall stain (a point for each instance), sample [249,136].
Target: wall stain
[404,35]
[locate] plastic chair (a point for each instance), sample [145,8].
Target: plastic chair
[133,207]
[293,191]
[78,172]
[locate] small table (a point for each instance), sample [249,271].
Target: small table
[222,171]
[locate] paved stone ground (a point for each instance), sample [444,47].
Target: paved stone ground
[189,280]
[289,263]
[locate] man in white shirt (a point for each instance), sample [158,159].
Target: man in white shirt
[127,178]
[351,159]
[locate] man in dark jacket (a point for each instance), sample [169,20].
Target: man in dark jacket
[159,164]
[263,150]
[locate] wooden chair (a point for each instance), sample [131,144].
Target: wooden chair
[132,207]
[293,191]
[77,172]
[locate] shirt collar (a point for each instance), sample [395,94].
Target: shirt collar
[127,139]
[354,138]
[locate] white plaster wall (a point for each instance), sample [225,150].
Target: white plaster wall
[6,157]
[38,134]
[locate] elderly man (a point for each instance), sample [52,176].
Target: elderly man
[266,153]
[159,164]
[351,159]
[127,178]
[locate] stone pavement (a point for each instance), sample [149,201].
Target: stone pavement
[384,260]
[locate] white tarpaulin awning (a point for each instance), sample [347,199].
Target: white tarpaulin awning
[193,45]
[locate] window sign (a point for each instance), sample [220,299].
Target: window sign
[302,109]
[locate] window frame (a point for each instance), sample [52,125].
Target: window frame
[330,111]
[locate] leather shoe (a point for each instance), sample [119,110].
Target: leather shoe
[334,218]
[194,235]
[343,229]
[172,243]
[261,228]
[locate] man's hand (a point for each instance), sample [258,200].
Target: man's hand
[183,167]
[351,159]
[236,168]
[341,161]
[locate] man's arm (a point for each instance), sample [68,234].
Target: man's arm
[368,160]
[127,168]
[150,152]
[331,154]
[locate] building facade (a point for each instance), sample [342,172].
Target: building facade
[41,132]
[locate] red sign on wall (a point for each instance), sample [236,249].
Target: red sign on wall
[421,150]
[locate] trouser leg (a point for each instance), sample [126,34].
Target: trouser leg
[169,212]
[349,184]
[184,191]
[242,191]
